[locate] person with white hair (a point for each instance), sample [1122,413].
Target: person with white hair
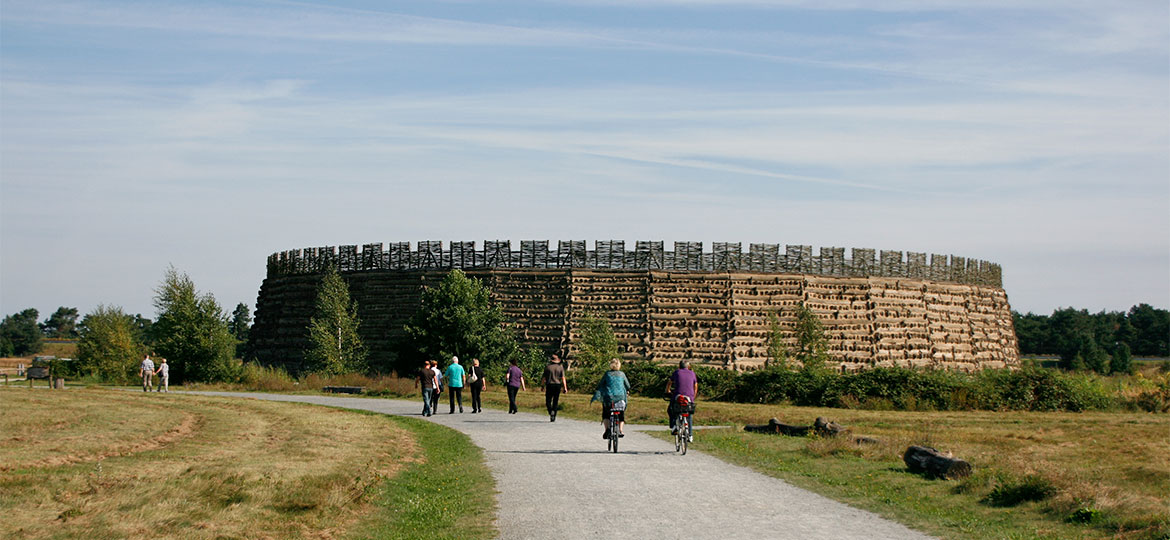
[455,376]
[614,389]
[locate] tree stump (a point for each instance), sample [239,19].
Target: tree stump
[934,464]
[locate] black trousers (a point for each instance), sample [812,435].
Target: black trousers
[512,398]
[552,397]
[435,399]
[476,405]
[455,393]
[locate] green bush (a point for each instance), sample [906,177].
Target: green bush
[1010,491]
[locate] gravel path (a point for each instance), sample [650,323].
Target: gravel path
[556,480]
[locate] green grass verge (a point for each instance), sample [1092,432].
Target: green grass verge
[449,493]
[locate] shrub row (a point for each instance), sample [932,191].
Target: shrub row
[890,388]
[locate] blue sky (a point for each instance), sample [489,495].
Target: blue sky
[206,135]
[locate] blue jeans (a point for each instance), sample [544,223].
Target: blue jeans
[427,393]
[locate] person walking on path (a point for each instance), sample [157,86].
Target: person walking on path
[426,379]
[554,383]
[438,385]
[164,376]
[146,371]
[614,389]
[515,382]
[683,382]
[455,378]
[477,383]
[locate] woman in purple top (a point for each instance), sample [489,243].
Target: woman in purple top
[515,380]
[683,382]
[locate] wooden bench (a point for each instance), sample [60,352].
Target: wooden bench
[344,389]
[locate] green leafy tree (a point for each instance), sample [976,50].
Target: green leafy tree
[812,347]
[1122,359]
[455,318]
[1152,328]
[108,347]
[19,333]
[241,326]
[598,344]
[142,333]
[191,331]
[777,350]
[336,347]
[62,324]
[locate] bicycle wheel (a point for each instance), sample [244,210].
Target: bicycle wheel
[684,434]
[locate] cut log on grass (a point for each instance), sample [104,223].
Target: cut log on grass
[828,428]
[934,464]
[776,427]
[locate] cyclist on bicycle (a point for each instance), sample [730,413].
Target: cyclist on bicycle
[614,389]
[683,382]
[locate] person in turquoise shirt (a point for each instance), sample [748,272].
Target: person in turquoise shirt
[455,376]
[613,388]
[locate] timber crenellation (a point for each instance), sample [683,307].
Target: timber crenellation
[647,255]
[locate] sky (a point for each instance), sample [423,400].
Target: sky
[140,135]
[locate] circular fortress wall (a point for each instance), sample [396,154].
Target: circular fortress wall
[885,308]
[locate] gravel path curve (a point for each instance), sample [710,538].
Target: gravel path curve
[556,480]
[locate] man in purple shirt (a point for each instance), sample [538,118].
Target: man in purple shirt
[683,382]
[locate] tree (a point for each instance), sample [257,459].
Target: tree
[1122,359]
[19,333]
[108,347]
[1085,354]
[336,347]
[191,331]
[241,325]
[455,318]
[1152,327]
[598,343]
[62,324]
[777,350]
[812,347]
[141,326]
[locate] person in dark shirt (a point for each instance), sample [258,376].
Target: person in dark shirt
[426,379]
[477,383]
[515,382]
[554,383]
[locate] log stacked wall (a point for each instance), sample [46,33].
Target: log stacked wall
[535,303]
[690,317]
[753,298]
[620,297]
[712,318]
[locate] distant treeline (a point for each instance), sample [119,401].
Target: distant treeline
[1095,340]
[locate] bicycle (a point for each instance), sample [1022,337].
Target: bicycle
[682,432]
[615,410]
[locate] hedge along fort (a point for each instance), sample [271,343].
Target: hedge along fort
[878,308]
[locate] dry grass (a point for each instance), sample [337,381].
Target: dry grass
[111,464]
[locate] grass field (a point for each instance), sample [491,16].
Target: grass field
[1038,474]
[94,463]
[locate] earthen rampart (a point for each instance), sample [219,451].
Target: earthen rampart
[879,308]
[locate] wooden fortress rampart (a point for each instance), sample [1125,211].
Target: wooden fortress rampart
[879,308]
